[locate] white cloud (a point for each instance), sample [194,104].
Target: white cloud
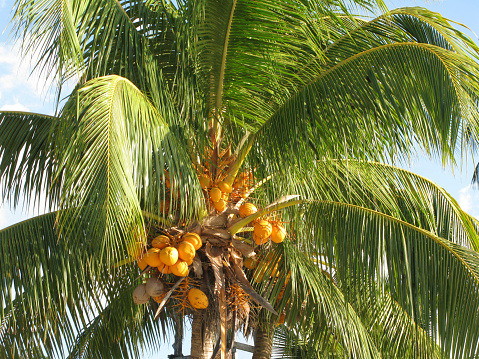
[15,107]
[469,200]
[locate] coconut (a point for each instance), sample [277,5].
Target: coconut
[194,239]
[247,209]
[225,187]
[164,269]
[278,233]
[140,296]
[169,255]
[250,263]
[160,242]
[141,263]
[154,287]
[186,251]
[262,229]
[159,298]
[220,205]
[197,298]
[152,257]
[180,268]
[215,194]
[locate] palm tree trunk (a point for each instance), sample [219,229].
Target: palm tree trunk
[263,340]
[202,337]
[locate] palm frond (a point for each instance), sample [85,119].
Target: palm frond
[432,279]
[27,161]
[114,164]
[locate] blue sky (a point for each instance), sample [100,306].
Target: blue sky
[21,92]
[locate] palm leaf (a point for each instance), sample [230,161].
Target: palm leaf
[419,269]
[114,165]
[27,161]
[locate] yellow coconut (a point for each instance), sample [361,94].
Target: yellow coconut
[180,268]
[186,251]
[258,240]
[152,257]
[225,187]
[194,239]
[262,229]
[197,298]
[278,233]
[161,241]
[220,205]
[141,263]
[215,194]
[169,255]
[164,269]
[247,209]
[190,262]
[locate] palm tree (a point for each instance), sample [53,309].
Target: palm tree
[290,104]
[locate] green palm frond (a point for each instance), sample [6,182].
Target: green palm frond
[390,190]
[128,329]
[419,269]
[313,304]
[27,162]
[47,289]
[114,164]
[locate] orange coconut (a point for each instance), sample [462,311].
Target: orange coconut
[169,255]
[161,242]
[180,268]
[186,251]
[278,233]
[197,298]
[262,229]
[141,263]
[152,257]
[247,209]
[164,269]
[225,187]
[215,194]
[194,239]
[220,205]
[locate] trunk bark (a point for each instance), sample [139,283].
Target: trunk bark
[202,337]
[263,340]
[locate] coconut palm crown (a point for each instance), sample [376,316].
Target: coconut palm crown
[290,106]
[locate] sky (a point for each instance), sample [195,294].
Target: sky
[22,91]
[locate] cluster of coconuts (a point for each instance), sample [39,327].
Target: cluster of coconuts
[263,230]
[169,255]
[219,195]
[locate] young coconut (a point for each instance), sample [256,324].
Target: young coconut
[225,187]
[160,242]
[140,296]
[180,268]
[164,269]
[194,239]
[186,251]
[247,209]
[278,233]
[197,298]
[154,287]
[262,230]
[215,194]
[169,255]
[220,205]
[152,257]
